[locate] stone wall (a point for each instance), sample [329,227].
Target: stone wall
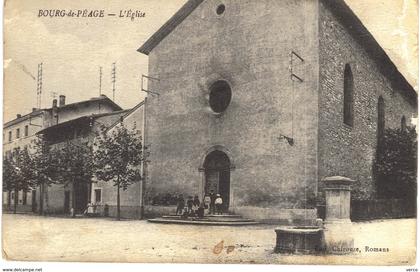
[249,46]
[344,150]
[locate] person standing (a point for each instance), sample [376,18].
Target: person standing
[218,202]
[180,204]
[207,202]
[200,212]
[190,203]
[196,201]
[212,200]
[196,205]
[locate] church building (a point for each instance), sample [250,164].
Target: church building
[259,101]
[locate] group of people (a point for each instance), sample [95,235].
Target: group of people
[193,207]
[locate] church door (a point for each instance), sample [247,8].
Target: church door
[217,173]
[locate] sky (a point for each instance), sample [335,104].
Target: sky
[73,49]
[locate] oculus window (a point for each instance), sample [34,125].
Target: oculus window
[220,96]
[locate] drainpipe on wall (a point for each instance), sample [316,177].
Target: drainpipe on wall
[142,167]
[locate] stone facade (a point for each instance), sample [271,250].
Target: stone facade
[281,133]
[252,54]
[344,150]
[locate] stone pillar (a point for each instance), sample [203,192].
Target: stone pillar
[337,199]
[232,184]
[202,184]
[338,227]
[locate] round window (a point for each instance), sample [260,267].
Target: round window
[220,9]
[220,96]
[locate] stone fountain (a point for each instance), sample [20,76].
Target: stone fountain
[334,235]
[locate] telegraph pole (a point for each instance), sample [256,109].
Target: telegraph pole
[39,86]
[113,78]
[100,80]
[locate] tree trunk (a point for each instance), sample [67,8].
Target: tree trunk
[9,200]
[41,199]
[15,201]
[73,203]
[118,198]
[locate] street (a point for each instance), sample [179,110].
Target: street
[34,238]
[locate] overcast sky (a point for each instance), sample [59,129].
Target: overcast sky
[72,49]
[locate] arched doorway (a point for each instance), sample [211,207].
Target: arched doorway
[217,175]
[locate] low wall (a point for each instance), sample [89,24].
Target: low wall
[19,208]
[300,217]
[263,215]
[381,208]
[130,212]
[152,211]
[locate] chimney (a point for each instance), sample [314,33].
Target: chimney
[54,103]
[62,100]
[34,109]
[18,115]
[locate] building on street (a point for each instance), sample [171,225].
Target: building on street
[261,100]
[59,123]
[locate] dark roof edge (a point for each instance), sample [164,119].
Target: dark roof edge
[83,118]
[125,115]
[39,111]
[103,98]
[356,28]
[99,115]
[22,118]
[169,26]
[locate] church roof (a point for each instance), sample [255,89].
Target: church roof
[341,10]
[170,25]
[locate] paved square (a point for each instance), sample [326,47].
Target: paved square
[30,237]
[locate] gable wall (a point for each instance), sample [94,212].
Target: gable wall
[249,46]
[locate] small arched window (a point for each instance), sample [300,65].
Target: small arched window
[381,117]
[348,96]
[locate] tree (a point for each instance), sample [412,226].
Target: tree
[18,174]
[25,176]
[118,155]
[45,168]
[395,165]
[75,166]
[9,177]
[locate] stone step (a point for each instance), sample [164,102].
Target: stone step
[208,218]
[212,215]
[224,215]
[203,222]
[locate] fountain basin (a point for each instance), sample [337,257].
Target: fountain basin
[299,239]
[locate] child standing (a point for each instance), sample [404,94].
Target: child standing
[180,204]
[212,199]
[218,202]
[190,203]
[207,201]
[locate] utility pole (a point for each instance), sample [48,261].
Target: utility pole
[113,78]
[39,86]
[100,87]
[100,80]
